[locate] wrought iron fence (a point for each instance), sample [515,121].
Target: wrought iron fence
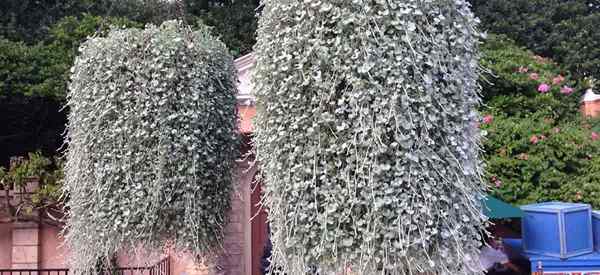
[57,271]
[161,268]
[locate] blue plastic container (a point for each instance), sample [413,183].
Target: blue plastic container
[557,229]
[596,229]
[587,264]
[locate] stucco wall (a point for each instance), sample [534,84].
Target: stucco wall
[5,245]
[52,253]
[591,109]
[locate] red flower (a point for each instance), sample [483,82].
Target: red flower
[534,76]
[558,79]
[496,181]
[543,88]
[488,119]
[523,69]
[534,139]
[566,90]
[556,130]
[523,156]
[595,136]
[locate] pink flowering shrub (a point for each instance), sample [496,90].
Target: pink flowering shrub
[520,83]
[537,146]
[539,160]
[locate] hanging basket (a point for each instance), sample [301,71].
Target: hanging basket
[152,143]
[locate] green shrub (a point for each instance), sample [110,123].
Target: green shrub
[508,87]
[536,159]
[537,146]
[151,143]
[364,133]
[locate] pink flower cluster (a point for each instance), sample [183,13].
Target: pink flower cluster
[535,139]
[544,87]
[488,119]
[566,90]
[496,181]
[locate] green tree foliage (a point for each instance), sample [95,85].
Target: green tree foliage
[151,143]
[562,30]
[33,83]
[537,147]
[42,69]
[30,20]
[537,159]
[365,135]
[235,24]
[31,70]
[576,43]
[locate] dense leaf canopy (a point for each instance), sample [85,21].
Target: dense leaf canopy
[366,135]
[151,142]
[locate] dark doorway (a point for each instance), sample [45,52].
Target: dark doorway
[258,227]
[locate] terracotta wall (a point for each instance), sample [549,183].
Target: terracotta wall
[591,109]
[52,254]
[5,245]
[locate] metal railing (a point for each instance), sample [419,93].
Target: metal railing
[53,271]
[161,268]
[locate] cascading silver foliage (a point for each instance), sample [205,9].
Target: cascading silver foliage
[152,143]
[366,135]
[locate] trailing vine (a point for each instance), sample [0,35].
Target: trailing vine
[366,135]
[152,142]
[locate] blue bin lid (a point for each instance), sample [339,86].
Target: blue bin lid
[555,206]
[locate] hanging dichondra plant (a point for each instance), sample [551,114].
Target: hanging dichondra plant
[151,142]
[366,135]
